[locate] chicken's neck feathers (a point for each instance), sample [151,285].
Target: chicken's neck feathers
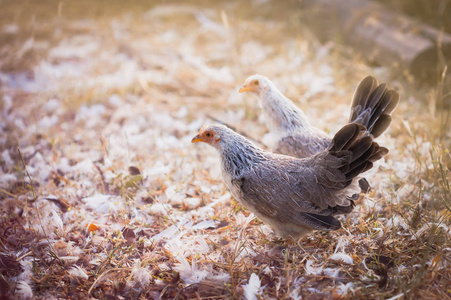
[283,113]
[241,155]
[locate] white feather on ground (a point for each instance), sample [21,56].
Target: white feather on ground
[24,290]
[253,288]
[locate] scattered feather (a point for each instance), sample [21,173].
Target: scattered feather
[70,259]
[27,272]
[205,225]
[190,273]
[344,289]
[342,257]
[141,276]
[310,269]
[99,202]
[253,288]
[192,203]
[295,295]
[24,290]
[77,271]
[331,272]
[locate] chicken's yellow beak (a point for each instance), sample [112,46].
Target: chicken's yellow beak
[245,88]
[196,139]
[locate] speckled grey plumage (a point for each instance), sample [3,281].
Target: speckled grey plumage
[295,196]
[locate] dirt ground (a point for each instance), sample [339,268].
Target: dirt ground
[102,194]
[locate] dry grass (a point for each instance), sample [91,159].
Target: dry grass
[102,195]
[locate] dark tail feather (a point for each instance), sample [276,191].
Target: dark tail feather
[356,171]
[365,186]
[361,160]
[376,96]
[345,137]
[372,105]
[363,148]
[321,222]
[361,94]
[381,125]
[393,103]
[358,151]
[378,154]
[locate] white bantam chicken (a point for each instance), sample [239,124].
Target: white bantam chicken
[291,133]
[294,196]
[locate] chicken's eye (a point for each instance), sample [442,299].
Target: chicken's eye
[208,134]
[256,82]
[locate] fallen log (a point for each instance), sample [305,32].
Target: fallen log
[382,36]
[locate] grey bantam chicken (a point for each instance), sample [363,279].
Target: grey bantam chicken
[292,134]
[294,196]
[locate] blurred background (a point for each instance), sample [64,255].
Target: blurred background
[412,37]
